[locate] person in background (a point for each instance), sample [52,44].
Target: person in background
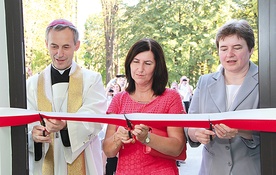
[58,146]
[146,92]
[186,91]
[234,87]
[109,95]
[121,80]
[174,86]
[116,89]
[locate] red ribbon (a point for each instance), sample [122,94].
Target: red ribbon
[259,120]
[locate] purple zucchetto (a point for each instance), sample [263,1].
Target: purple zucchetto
[60,21]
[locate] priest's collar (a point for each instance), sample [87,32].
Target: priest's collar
[60,76]
[61,71]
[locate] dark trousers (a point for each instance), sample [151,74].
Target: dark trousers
[111,165]
[187,105]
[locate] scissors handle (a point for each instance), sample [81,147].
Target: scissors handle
[129,134]
[211,129]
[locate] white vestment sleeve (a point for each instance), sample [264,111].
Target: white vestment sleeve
[94,102]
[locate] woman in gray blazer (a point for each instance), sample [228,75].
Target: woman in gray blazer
[233,87]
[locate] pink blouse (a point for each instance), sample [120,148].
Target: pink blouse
[132,160]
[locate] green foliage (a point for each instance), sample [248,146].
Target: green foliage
[39,62]
[186,30]
[248,10]
[93,46]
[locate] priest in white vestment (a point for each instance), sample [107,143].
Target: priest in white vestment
[65,147]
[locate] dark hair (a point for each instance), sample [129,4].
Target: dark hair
[241,28]
[160,75]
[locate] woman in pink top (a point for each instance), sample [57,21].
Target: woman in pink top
[147,77]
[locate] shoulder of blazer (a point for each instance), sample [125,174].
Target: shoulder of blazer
[211,78]
[253,71]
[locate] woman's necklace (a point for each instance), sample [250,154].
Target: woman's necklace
[144,99]
[138,108]
[143,102]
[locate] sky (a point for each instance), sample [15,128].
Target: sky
[86,8]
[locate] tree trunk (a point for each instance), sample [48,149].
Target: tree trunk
[109,10]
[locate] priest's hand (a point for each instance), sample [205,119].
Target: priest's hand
[53,125]
[40,134]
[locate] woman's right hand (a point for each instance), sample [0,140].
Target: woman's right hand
[200,135]
[122,134]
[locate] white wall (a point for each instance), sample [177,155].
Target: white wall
[5,133]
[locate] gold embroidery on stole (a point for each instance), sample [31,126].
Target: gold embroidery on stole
[43,104]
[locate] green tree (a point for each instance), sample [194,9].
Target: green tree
[181,28]
[92,51]
[186,29]
[248,10]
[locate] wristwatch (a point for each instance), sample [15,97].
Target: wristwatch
[147,140]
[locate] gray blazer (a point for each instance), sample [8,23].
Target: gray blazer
[221,156]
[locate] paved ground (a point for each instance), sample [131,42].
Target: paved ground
[192,163]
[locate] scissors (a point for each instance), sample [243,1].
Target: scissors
[42,123]
[129,126]
[210,128]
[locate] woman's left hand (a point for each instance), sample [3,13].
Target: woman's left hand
[225,132]
[141,132]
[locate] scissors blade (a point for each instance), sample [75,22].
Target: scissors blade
[129,126]
[42,123]
[211,129]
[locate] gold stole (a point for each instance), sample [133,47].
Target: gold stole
[74,102]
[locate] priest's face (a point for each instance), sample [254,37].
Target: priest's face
[61,47]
